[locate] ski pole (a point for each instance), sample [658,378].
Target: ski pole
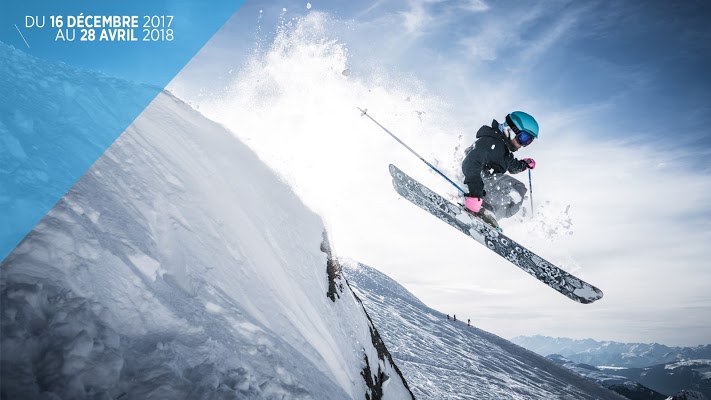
[365,112]
[530,188]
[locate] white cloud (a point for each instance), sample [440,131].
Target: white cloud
[540,44]
[485,46]
[373,6]
[429,15]
[416,18]
[520,34]
[475,6]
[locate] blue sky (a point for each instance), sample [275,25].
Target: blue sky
[646,62]
[641,68]
[622,97]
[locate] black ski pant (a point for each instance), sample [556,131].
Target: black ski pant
[504,194]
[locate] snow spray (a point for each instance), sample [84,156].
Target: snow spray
[365,112]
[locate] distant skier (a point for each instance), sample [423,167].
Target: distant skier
[493,194]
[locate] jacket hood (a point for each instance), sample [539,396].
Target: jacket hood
[492,132]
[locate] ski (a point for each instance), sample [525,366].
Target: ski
[467,223]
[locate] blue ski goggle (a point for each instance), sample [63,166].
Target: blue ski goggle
[523,137]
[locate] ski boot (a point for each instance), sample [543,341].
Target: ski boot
[489,217]
[485,215]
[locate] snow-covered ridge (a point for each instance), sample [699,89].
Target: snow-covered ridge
[179,266]
[443,359]
[688,363]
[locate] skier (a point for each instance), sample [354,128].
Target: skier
[493,194]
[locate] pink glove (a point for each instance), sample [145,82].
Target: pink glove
[530,162]
[473,203]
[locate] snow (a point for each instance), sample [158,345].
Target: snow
[299,97]
[444,359]
[178,265]
[603,367]
[688,363]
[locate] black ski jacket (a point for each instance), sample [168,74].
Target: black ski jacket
[491,155]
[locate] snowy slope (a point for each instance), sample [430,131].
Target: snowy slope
[445,359]
[179,266]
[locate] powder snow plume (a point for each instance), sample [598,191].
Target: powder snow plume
[295,104]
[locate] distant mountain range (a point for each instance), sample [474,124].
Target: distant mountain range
[672,377]
[650,383]
[619,383]
[614,354]
[635,370]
